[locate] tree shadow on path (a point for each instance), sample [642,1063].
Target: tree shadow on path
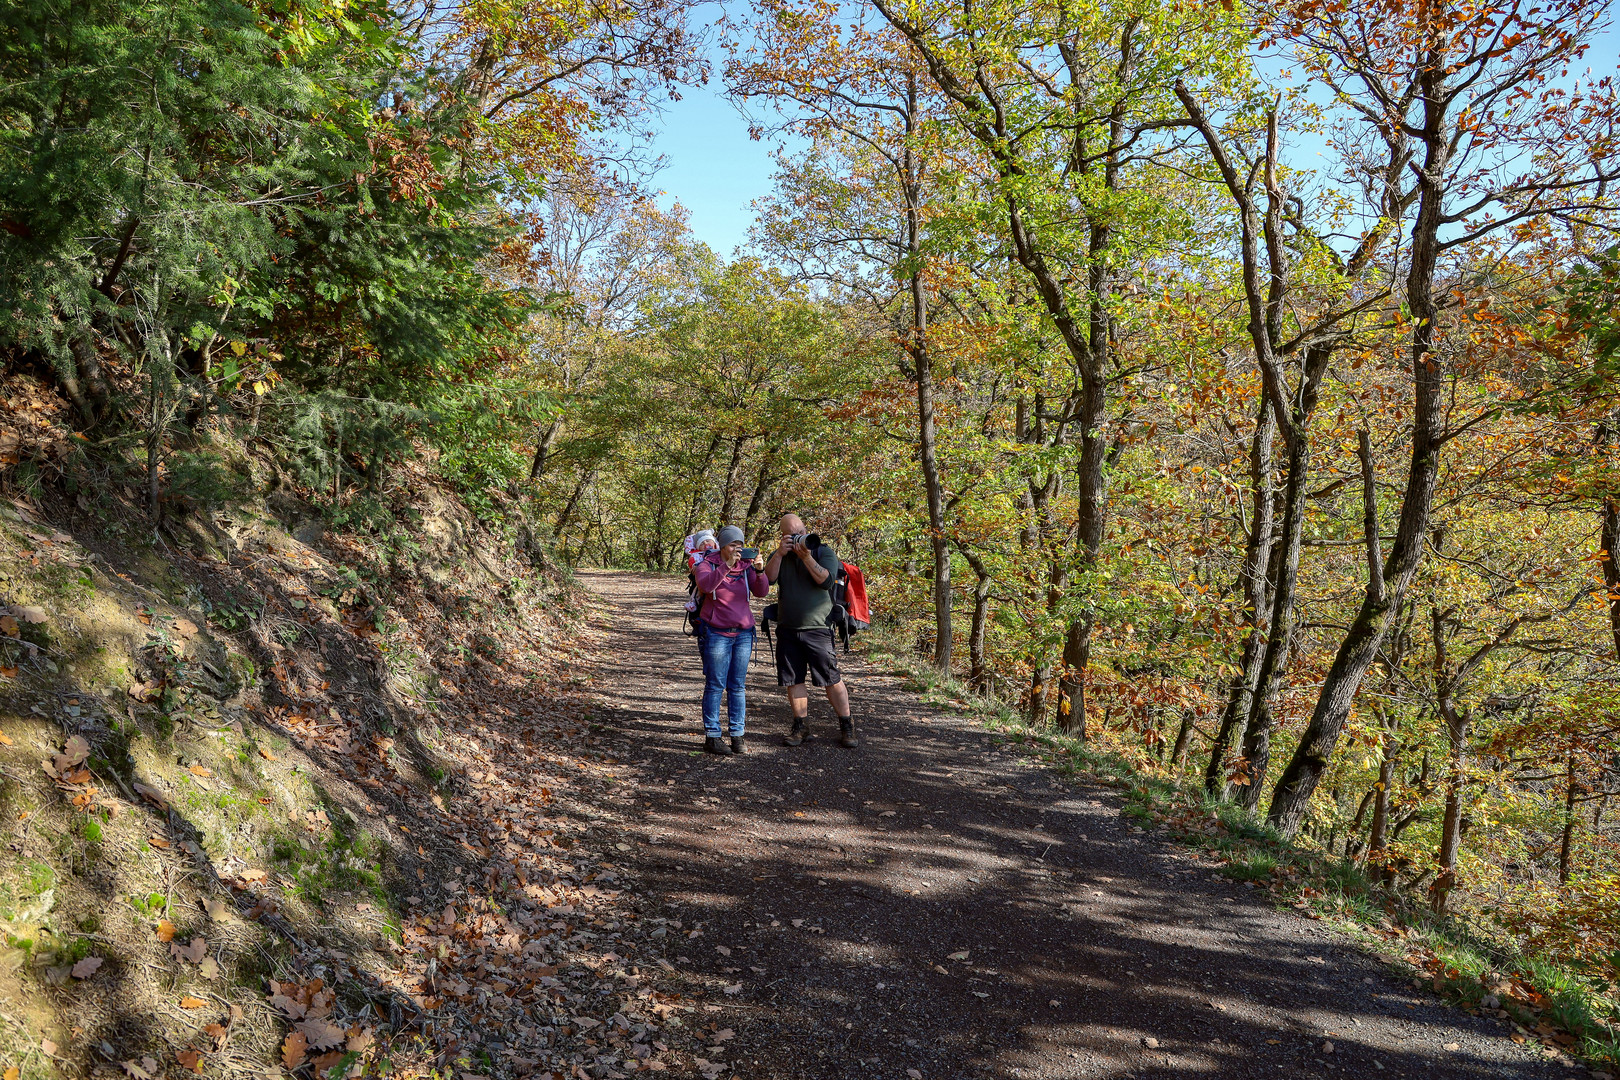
[935,902]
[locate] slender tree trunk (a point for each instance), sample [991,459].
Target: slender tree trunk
[548,440]
[1566,844]
[1457,724]
[1273,672]
[978,667]
[922,366]
[1378,836]
[1609,543]
[1178,755]
[584,481]
[762,490]
[1039,690]
[1256,578]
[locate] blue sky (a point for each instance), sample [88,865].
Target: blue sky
[712,167]
[716,171]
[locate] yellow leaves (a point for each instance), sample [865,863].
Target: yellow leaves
[165,930]
[193,1003]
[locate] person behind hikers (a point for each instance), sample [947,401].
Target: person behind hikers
[804,571]
[725,633]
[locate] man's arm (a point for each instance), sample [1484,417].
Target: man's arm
[812,564]
[773,566]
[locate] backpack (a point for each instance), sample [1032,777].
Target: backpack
[694,600]
[851,611]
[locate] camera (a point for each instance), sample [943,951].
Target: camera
[809,540]
[748,554]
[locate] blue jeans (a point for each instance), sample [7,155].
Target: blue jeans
[725,668]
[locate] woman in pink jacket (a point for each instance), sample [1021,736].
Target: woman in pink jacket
[726,635]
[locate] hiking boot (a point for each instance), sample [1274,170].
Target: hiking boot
[737,745]
[716,746]
[846,733]
[799,734]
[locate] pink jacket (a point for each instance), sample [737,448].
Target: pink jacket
[727,608]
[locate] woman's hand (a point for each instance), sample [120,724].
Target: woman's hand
[759,562]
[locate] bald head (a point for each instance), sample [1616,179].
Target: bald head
[792,524]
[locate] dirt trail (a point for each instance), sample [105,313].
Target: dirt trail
[837,890]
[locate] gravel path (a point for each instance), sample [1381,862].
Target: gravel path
[934,905]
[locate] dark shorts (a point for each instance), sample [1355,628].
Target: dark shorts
[807,651]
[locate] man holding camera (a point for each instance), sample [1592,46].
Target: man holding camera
[805,570]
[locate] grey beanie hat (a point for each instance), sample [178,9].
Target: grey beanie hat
[730,534]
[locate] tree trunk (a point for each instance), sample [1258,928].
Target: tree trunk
[1273,673]
[584,481]
[1378,838]
[1178,756]
[1255,578]
[548,439]
[1608,543]
[1446,858]
[762,490]
[1566,844]
[1359,648]
[978,667]
[922,365]
[728,498]
[1039,689]
[97,397]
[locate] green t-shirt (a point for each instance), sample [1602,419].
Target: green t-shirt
[800,601]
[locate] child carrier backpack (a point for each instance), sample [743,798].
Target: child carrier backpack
[693,546]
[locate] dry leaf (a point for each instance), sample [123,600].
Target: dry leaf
[165,930]
[47,1047]
[152,794]
[265,753]
[192,953]
[185,626]
[294,1049]
[190,1059]
[193,1003]
[218,1032]
[200,770]
[130,1067]
[292,1009]
[8,626]
[87,967]
[320,1034]
[5,740]
[209,968]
